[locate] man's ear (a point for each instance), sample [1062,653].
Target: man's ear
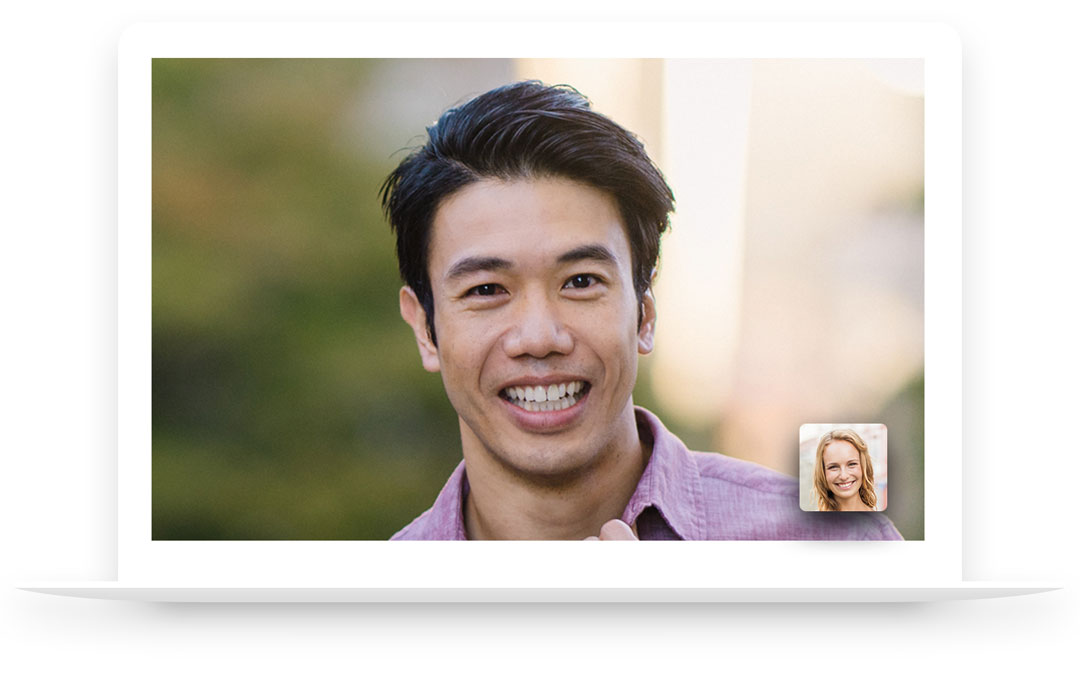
[648,322]
[414,314]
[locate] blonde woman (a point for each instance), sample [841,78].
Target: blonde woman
[843,473]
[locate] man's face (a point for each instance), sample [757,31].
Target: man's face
[537,322]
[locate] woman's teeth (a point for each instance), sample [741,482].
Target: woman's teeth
[545,398]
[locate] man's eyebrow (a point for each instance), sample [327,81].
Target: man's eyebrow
[470,265]
[597,253]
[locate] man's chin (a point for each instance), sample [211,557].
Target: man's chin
[546,469]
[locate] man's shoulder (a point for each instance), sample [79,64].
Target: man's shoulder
[718,470]
[420,528]
[445,519]
[747,500]
[715,470]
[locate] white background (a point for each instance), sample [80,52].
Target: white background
[58,424]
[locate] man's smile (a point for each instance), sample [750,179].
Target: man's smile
[546,404]
[549,397]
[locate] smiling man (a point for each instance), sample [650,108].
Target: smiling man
[528,231]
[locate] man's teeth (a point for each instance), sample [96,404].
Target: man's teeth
[546,398]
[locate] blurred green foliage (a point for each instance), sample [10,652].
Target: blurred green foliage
[905,416]
[288,398]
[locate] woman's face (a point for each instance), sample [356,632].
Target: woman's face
[843,471]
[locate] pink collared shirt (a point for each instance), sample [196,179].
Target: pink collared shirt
[689,495]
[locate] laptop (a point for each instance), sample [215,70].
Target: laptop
[153,566]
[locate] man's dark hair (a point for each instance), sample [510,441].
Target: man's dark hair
[526,129]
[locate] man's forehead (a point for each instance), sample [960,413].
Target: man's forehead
[495,224]
[471,264]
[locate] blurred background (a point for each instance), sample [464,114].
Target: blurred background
[288,397]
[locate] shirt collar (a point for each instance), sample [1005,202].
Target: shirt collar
[670,483]
[447,520]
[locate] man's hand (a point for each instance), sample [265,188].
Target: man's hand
[615,530]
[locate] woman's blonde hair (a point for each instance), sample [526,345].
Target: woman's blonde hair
[826,499]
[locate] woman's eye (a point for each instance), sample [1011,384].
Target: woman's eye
[580,281]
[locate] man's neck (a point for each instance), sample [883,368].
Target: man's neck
[504,505]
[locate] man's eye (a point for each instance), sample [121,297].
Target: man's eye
[484,290]
[581,281]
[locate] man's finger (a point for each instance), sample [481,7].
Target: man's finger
[616,530]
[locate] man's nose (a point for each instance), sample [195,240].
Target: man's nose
[538,329]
